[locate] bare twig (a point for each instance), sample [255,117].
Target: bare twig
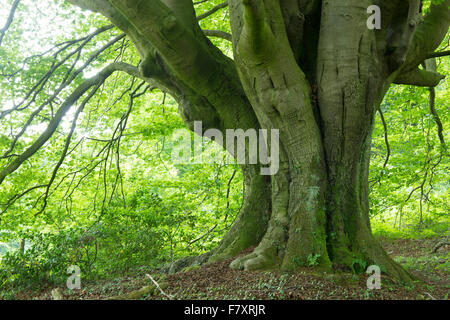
[218,34]
[158,287]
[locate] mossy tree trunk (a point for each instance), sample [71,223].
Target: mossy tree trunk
[311,69]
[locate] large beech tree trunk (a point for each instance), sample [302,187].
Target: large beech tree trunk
[311,69]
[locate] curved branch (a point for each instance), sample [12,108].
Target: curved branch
[67,144]
[106,8]
[433,111]
[69,78]
[18,196]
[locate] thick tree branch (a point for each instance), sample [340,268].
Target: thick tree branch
[439,54]
[403,37]
[196,67]
[157,23]
[203,81]
[93,5]
[218,34]
[212,11]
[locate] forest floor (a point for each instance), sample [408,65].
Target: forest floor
[218,281]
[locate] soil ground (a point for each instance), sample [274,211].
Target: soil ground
[218,281]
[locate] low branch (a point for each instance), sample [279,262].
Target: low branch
[18,196]
[226,211]
[67,104]
[429,34]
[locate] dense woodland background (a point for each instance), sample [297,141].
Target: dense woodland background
[119,204]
